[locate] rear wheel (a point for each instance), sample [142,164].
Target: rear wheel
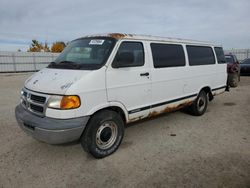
[199,106]
[233,79]
[103,134]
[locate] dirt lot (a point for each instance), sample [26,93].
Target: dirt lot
[208,151]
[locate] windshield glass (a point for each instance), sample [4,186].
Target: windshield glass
[229,59]
[246,61]
[86,53]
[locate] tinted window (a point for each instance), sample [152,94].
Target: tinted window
[200,55]
[167,55]
[247,61]
[220,55]
[229,59]
[136,48]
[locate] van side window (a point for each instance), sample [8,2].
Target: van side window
[134,48]
[167,55]
[200,55]
[220,55]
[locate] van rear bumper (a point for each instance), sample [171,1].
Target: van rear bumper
[50,130]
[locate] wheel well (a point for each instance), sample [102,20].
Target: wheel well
[116,109]
[209,92]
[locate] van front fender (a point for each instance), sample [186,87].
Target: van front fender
[110,105]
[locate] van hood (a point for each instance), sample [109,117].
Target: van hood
[54,81]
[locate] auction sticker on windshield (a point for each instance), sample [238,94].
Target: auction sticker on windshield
[96,42]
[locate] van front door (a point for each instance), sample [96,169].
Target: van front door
[128,79]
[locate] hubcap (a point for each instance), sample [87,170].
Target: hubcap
[106,135]
[201,103]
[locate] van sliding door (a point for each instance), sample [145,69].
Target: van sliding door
[168,77]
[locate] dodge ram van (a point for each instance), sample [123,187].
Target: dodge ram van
[100,83]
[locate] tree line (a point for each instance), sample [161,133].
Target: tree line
[37,46]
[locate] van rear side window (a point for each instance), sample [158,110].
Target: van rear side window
[200,55]
[167,55]
[220,55]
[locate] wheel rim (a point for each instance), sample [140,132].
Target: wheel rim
[106,135]
[201,103]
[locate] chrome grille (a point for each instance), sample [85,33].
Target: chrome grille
[38,99]
[34,102]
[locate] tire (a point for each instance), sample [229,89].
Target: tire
[233,79]
[199,106]
[103,134]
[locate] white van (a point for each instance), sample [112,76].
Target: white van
[100,83]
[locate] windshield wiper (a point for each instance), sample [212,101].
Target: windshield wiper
[64,64]
[52,64]
[70,63]
[73,65]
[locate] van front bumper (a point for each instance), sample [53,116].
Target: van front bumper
[50,130]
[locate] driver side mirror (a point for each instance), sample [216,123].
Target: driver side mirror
[123,59]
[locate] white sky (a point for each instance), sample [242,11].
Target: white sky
[221,21]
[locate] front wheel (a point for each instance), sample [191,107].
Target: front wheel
[199,106]
[103,134]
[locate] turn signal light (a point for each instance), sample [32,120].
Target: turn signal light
[70,102]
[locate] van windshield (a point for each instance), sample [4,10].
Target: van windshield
[86,53]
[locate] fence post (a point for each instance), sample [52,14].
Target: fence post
[14,62]
[34,60]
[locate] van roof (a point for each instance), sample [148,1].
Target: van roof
[151,38]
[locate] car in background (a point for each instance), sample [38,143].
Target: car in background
[232,63]
[233,70]
[245,67]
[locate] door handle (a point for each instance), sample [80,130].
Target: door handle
[144,74]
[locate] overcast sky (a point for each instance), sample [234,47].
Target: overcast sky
[226,22]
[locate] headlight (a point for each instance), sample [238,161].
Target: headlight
[64,102]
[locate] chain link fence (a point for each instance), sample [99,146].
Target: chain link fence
[34,61]
[25,61]
[241,54]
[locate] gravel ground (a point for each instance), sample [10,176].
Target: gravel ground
[173,150]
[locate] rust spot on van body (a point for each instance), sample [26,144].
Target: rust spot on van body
[135,119]
[167,109]
[119,35]
[112,35]
[170,108]
[116,35]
